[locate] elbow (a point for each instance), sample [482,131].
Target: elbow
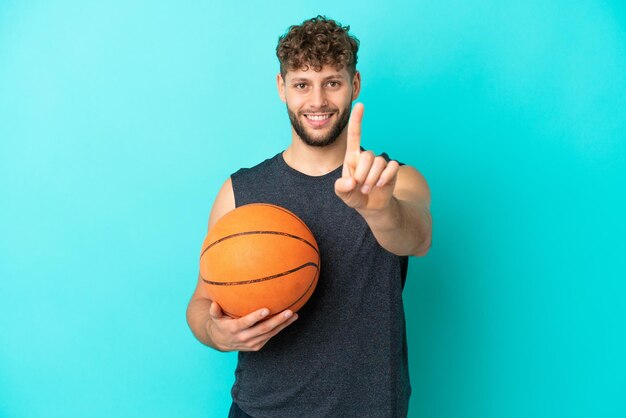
[425,244]
[423,249]
[426,235]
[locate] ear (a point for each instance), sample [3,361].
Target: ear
[356,85]
[280,83]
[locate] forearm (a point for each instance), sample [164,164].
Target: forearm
[402,228]
[197,318]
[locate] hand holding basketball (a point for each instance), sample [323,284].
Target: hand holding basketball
[259,256]
[248,333]
[367,182]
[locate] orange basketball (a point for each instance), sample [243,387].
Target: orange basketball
[259,256]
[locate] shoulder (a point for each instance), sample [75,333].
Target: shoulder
[260,168]
[411,184]
[224,202]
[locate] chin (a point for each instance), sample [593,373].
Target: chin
[319,142]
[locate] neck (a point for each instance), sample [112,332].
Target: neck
[315,161]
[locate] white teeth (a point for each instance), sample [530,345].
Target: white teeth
[318,117]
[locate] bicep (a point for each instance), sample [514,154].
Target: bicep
[412,188]
[224,203]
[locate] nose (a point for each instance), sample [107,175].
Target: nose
[318,97]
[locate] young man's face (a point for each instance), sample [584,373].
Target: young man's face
[319,102]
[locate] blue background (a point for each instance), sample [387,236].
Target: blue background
[120,120]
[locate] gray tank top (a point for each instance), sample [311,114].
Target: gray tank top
[346,355]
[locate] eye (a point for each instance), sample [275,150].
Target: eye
[300,86]
[334,84]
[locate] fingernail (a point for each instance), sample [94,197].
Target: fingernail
[288,314]
[265,312]
[365,189]
[380,183]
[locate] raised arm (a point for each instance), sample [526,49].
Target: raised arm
[394,200]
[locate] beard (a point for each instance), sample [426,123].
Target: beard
[325,140]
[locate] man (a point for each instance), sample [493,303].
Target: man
[344,353]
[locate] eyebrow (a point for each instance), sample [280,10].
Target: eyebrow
[300,79]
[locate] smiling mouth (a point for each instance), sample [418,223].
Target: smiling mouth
[317,117]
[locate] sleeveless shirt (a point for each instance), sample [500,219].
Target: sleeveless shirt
[346,354]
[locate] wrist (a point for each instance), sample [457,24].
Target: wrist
[209,340]
[387,217]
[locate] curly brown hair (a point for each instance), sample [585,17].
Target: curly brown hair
[315,43]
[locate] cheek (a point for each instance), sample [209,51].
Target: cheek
[345,98]
[347,101]
[294,103]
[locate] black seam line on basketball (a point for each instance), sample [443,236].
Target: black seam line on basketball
[293,215]
[258,233]
[306,291]
[296,301]
[262,279]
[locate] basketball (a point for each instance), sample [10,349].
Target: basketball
[259,256]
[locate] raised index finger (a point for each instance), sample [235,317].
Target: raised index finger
[353,147]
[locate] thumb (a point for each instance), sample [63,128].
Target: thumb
[215,311]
